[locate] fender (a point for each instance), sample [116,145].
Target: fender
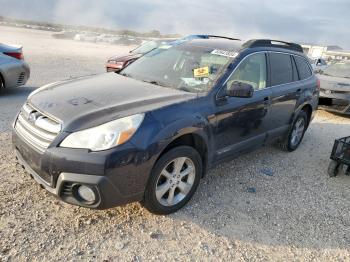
[191,124]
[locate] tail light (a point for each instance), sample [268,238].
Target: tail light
[16,55]
[318,84]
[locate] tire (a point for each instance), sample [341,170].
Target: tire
[291,143]
[1,84]
[348,170]
[167,180]
[333,168]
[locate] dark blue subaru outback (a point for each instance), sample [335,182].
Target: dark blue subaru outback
[150,133]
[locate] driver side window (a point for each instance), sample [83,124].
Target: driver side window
[252,71]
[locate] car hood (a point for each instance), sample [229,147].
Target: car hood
[93,100]
[334,83]
[125,57]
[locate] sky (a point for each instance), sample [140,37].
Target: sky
[308,21]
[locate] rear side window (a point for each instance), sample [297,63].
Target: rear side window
[303,67]
[281,69]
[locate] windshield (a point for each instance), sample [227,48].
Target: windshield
[190,68]
[145,48]
[339,69]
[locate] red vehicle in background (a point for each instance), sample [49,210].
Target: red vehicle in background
[117,63]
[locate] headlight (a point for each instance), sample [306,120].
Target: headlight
[105,136]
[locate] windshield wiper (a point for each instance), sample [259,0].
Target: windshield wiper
[126,75]
[186,89]
[153,82]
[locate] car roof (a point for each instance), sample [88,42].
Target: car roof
[217,43]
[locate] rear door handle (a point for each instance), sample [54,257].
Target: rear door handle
[298,91]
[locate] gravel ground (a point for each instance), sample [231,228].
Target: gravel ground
[266,205]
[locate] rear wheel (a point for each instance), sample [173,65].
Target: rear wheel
[296,133]
[173,181]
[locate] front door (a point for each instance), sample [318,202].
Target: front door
[241,123]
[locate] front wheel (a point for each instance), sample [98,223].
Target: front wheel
[296,133]
[173,181]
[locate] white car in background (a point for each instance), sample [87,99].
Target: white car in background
[87,37]
[14,71]
[318,64]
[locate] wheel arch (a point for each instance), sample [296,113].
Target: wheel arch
[308,110]
[192,139]
[303,107]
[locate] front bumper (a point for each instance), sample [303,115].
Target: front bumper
[335,102]
[113,175]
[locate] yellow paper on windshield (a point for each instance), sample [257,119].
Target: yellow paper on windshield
[201,72]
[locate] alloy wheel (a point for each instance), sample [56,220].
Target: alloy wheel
[175,181]
[298,131]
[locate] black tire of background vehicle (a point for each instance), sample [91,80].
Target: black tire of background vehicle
[150,200]
[286,143]
[333,168]
[1,84]
[348,171]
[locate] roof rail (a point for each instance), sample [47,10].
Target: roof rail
[273,43]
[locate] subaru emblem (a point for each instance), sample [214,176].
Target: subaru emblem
[32,117]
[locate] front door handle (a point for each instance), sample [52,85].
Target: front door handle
[267,100]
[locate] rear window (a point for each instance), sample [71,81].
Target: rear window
[281,69]
[303,67]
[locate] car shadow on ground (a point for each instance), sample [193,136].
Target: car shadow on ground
[267,198]
[18,92]
[278,198]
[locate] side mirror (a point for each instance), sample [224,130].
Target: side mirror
[240,89]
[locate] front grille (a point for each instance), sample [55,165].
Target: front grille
[35,128]
[20,80]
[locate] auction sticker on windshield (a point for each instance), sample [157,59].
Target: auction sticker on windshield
[224,53]
[201,72]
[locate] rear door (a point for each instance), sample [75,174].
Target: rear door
[286,90]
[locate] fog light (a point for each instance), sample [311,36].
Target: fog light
[86,193]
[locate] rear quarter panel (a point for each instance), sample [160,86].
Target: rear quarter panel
[11,68]
[309,96]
